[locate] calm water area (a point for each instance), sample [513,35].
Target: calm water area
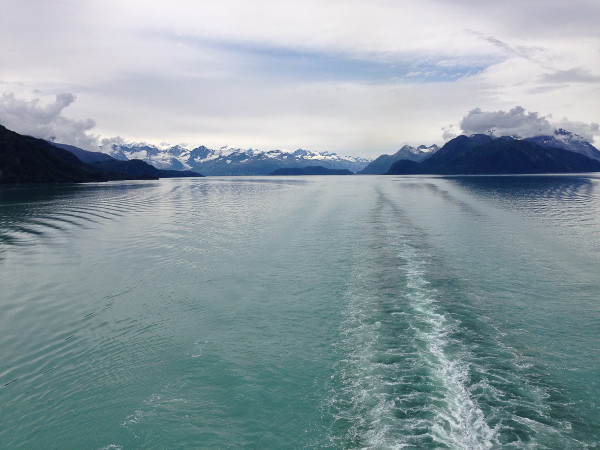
[301,312]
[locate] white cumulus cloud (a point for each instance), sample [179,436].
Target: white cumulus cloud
[46,120]
[520,123]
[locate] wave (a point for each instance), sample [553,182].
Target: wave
[423,367]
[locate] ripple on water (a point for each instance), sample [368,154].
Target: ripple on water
[423,368]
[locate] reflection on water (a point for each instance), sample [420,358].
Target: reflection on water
[534,187]
[570,204]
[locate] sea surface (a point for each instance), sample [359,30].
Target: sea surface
[302,312]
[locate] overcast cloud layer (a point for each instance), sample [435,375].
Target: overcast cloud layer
[345,76]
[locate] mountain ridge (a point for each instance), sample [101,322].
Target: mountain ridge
[562,152]
[484,154]
[25,160]
[568,141]
[383,163]
[310,170]
[231,161]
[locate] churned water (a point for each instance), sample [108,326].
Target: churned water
[323,312]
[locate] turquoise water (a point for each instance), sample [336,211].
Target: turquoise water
[336,312]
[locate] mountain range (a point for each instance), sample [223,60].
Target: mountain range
[383,163]
[227,161]
[234,161]
[24,159]
[567,141]
[310,170]
[483,154]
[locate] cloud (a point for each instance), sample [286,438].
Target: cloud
[334,75]
[520,123]
[585,130]
[577,75]
[516,122]
[448,132]
[46,121]
[520,51]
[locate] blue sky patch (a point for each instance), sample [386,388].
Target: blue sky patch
[289,64]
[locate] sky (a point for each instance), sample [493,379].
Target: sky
[352,77]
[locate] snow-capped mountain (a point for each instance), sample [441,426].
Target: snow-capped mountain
[482,154]
[384,162]
[568,141]
[235,161]
[421,152]
[230,161]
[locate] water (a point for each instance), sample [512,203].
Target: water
[324,312]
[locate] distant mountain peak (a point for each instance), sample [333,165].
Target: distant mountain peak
[431,149]
[567,140]
[24,159]
[228,160]
[484,154]
[407,152]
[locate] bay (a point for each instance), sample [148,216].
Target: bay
[298,312]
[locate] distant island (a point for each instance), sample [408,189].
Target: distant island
[311,170]
[487,155]
[24,159]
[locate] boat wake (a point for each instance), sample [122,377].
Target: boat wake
[422,368]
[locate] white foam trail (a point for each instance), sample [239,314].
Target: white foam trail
[370,401]
[461,423]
